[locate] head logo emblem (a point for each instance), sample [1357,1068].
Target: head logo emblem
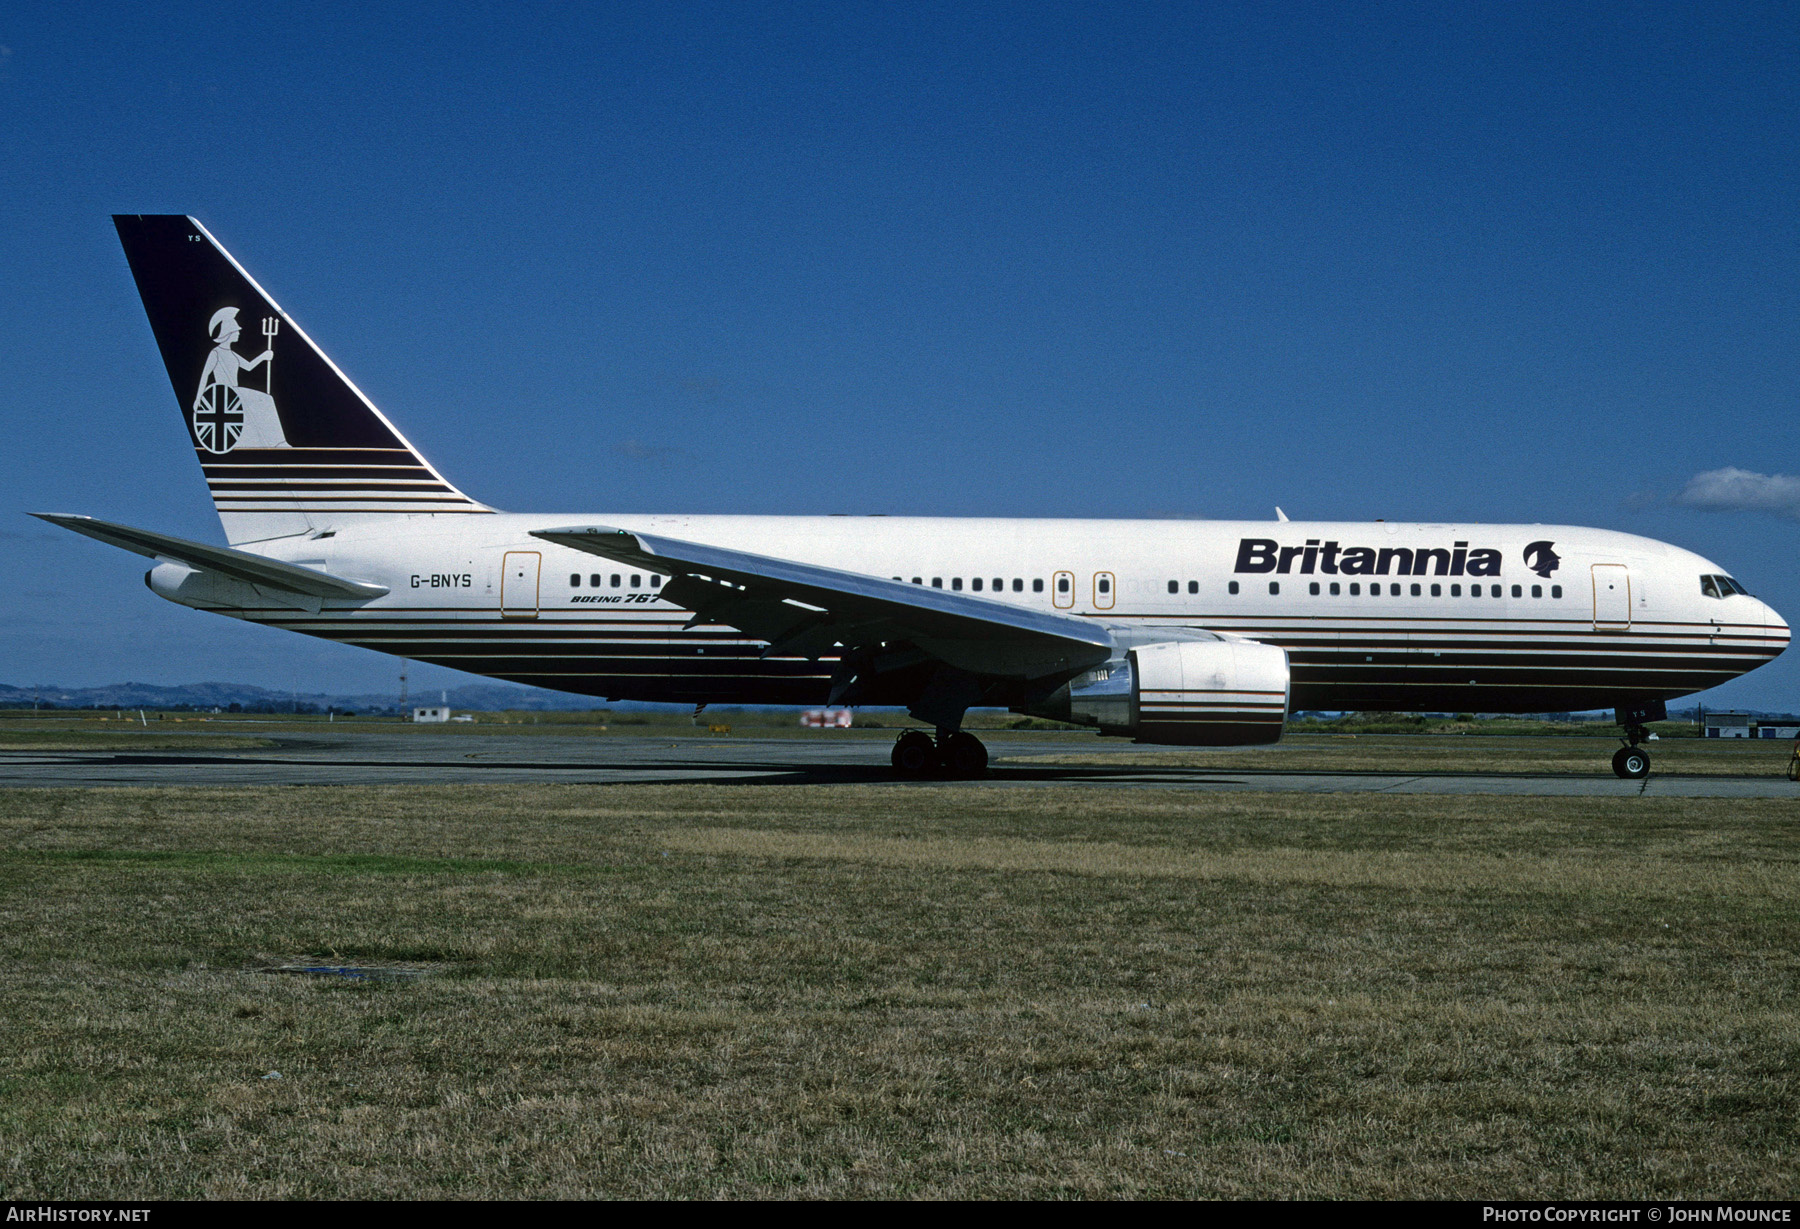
[225,415]
[1541,559]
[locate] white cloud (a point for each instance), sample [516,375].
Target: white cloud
[1738,490]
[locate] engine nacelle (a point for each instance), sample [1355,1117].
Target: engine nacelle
[1209,693]
[1191,693]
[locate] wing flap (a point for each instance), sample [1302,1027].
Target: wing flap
[237,564]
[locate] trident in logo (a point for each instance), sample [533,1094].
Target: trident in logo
[271,326]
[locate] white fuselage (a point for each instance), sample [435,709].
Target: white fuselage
[1373,615]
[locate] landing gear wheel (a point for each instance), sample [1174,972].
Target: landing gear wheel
[915,755]
[1631,763]
[964,756]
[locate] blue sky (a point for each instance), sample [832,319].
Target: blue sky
[1505,262]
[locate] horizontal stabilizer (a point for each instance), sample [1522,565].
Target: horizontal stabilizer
[237,564]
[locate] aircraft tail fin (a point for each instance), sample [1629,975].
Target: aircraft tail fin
[288,444]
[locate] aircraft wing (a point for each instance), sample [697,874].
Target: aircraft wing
[805,610]
[238,564]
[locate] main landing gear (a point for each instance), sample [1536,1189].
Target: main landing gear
[955,754]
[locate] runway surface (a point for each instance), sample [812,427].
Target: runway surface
[401,758]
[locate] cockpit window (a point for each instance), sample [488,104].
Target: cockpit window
[1721,586]
[1709,586]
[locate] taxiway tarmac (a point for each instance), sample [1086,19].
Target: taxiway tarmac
[399,758]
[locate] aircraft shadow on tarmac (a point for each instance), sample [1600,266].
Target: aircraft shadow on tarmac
[682,771]
[693,768]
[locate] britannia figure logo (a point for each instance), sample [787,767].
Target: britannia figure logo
[227,416]
[1541,559]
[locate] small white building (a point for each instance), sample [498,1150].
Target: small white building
[1728,725]
[1765,729]
[436,713]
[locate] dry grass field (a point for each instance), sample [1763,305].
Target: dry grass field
[870,991]
[1415,753]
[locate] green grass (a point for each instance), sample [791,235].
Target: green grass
[73,738]
[42,730]
[822,991]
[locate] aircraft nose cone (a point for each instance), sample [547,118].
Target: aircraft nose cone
[1776,624]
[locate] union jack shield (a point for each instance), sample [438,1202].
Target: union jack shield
[218,418]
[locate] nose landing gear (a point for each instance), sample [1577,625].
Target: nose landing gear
[958,755]
[1631,761]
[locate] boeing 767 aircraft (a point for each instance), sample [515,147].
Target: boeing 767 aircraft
[1194,633]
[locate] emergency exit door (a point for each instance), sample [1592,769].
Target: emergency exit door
[1105,583]
[519,584]
[1612,597]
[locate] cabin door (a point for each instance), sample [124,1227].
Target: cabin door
[1612,597]
[519,585]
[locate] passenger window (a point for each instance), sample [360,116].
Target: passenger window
[637,582]
[1375,589]
[1174,586]
[1496,590]
[1537,591]
[656,582]
[976,584]
[1274,586]
[1416,591]
[594,580]
[575,580]
[1334,588]
[1104,585]
[956,583]
[1062,584]
[1437,591]
[1518,592]
[616,579]
[1232,587]
[1355,589]
[1018,585]
[999,584]
[937,582]
[918,580]
[1394,590]
[1455,590]
[1193,586]
[1313,588]
[1037,584]
[1555,590]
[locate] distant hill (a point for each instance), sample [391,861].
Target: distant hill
[484,697]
